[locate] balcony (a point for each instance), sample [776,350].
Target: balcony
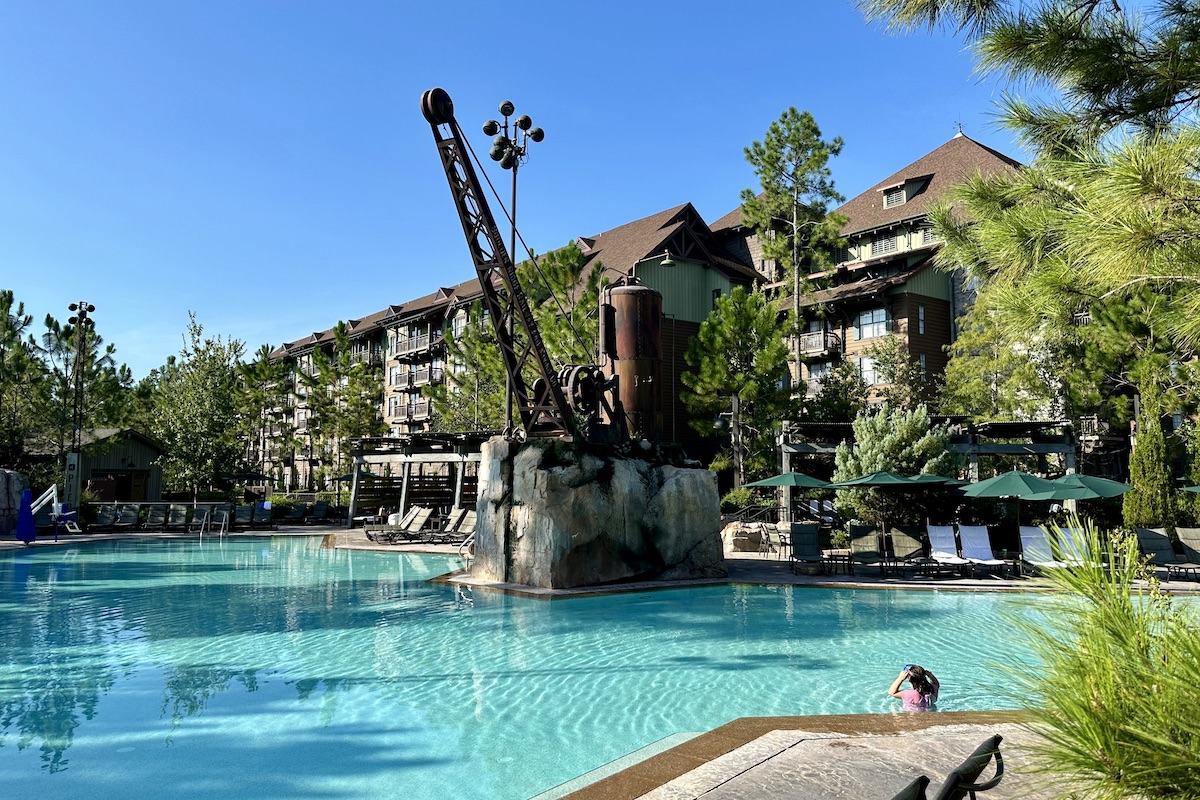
[413,345]
[820,344]
[372,357]
[419,410]
[425,375]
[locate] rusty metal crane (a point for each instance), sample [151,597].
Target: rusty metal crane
[550,406]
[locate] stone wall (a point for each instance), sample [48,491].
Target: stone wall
[11,486]
[554,517]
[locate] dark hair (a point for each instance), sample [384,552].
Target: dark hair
[920,680]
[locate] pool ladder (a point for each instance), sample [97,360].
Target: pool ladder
[466,550]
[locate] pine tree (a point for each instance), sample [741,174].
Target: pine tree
[896,440]
[739,350]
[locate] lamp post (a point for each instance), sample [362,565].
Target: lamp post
[509,148]
[734,425]
[83,323]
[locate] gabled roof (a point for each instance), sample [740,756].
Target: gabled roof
[679,230]
[957,160]
[929,177]
[445,296]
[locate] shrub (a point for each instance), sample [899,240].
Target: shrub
[1116,697]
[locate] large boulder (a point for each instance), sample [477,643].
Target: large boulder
[556,516]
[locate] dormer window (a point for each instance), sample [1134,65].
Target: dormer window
[893,196]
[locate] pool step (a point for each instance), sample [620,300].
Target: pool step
[616,765]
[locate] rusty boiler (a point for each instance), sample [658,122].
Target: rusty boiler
[631,349]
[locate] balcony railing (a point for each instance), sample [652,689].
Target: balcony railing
[413,344]
[820,343]
[372,357]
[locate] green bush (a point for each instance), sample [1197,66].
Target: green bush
[737,499]
[1116,695]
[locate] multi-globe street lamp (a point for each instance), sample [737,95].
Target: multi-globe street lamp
[510,148]
[83,324]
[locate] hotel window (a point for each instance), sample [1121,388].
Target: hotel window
[893,197]
[921,360]
[818,369]
[929,235]
[872,324]
[866,368]
[883,243]
[921,319]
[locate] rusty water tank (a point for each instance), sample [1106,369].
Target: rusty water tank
[631,349]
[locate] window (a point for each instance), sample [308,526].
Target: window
[921,359]
[929,235]
[883,243]
[458,325]
[893,196]
[866,368]
[921,319]
[872,324]
[818,370]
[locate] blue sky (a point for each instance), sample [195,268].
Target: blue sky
[266,164]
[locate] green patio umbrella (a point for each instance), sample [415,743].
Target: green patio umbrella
[878,480]
[797,479]
[1014,483]
[1083,487]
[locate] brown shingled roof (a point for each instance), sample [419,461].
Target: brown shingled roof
[954,162]
[622,247]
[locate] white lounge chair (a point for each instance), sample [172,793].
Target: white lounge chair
[943,548]
[977,548]
[1036,550]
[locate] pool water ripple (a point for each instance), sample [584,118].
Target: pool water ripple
[275,668]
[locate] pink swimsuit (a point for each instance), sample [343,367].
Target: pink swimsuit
[914,699]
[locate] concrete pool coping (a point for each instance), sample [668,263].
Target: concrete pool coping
[833,756]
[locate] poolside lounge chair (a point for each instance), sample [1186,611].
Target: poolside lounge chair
[865,549]
[962,780]
[462,530]
[384,532]
[410,528]
[908,551]
[318,513]
[127,517]
[444,533]
[1036,550]
[106,515]
[1159,552]
[242,517]
[943,548]
[198,522]
[177,517]
[295,514]
[977,548]
[772,540]
[1189,542]
[915,790]
[156,517]
[806,547]
[263,516]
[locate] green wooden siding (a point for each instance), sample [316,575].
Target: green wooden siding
[929,282]
[687,288]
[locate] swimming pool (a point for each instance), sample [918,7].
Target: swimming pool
[276,668]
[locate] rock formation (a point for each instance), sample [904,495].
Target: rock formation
[556,516]
[11,486]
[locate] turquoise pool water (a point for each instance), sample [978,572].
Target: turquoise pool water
[276,668]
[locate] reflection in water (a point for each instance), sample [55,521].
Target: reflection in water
[73,627]
[346,674]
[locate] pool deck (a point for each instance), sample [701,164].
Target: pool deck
[823,757]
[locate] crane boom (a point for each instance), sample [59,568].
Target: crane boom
[544,408]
